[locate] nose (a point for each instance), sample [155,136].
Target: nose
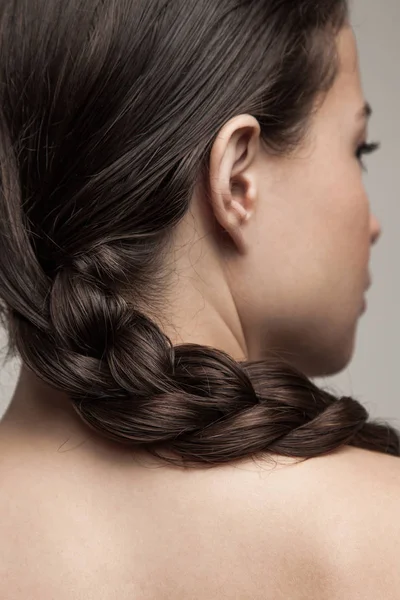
[376,230]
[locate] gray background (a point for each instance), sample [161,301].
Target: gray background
[372,375]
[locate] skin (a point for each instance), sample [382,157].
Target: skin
[295,253]
[290,272]
[273,260]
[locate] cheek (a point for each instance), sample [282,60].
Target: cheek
[337,220]
[309,244]
[347,224]
[329,218]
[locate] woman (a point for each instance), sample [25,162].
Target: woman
[184,232]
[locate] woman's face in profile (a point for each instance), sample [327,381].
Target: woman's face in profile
[306,276]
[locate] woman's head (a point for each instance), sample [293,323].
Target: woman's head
[188,169]
[297,263]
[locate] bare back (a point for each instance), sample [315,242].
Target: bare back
[74,528]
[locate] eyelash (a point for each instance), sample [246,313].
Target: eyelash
[364,149]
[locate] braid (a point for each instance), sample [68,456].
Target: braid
[189,403]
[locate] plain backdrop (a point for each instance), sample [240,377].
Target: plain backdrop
[372,375]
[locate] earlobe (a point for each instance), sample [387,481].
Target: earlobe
[233,187]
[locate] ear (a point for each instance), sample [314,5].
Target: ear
[233,185]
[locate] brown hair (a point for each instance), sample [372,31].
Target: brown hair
[108,112]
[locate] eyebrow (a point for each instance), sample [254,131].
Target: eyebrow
[365,112]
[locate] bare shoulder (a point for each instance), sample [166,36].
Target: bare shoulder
[364,524]
[348,505]
[324,529]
